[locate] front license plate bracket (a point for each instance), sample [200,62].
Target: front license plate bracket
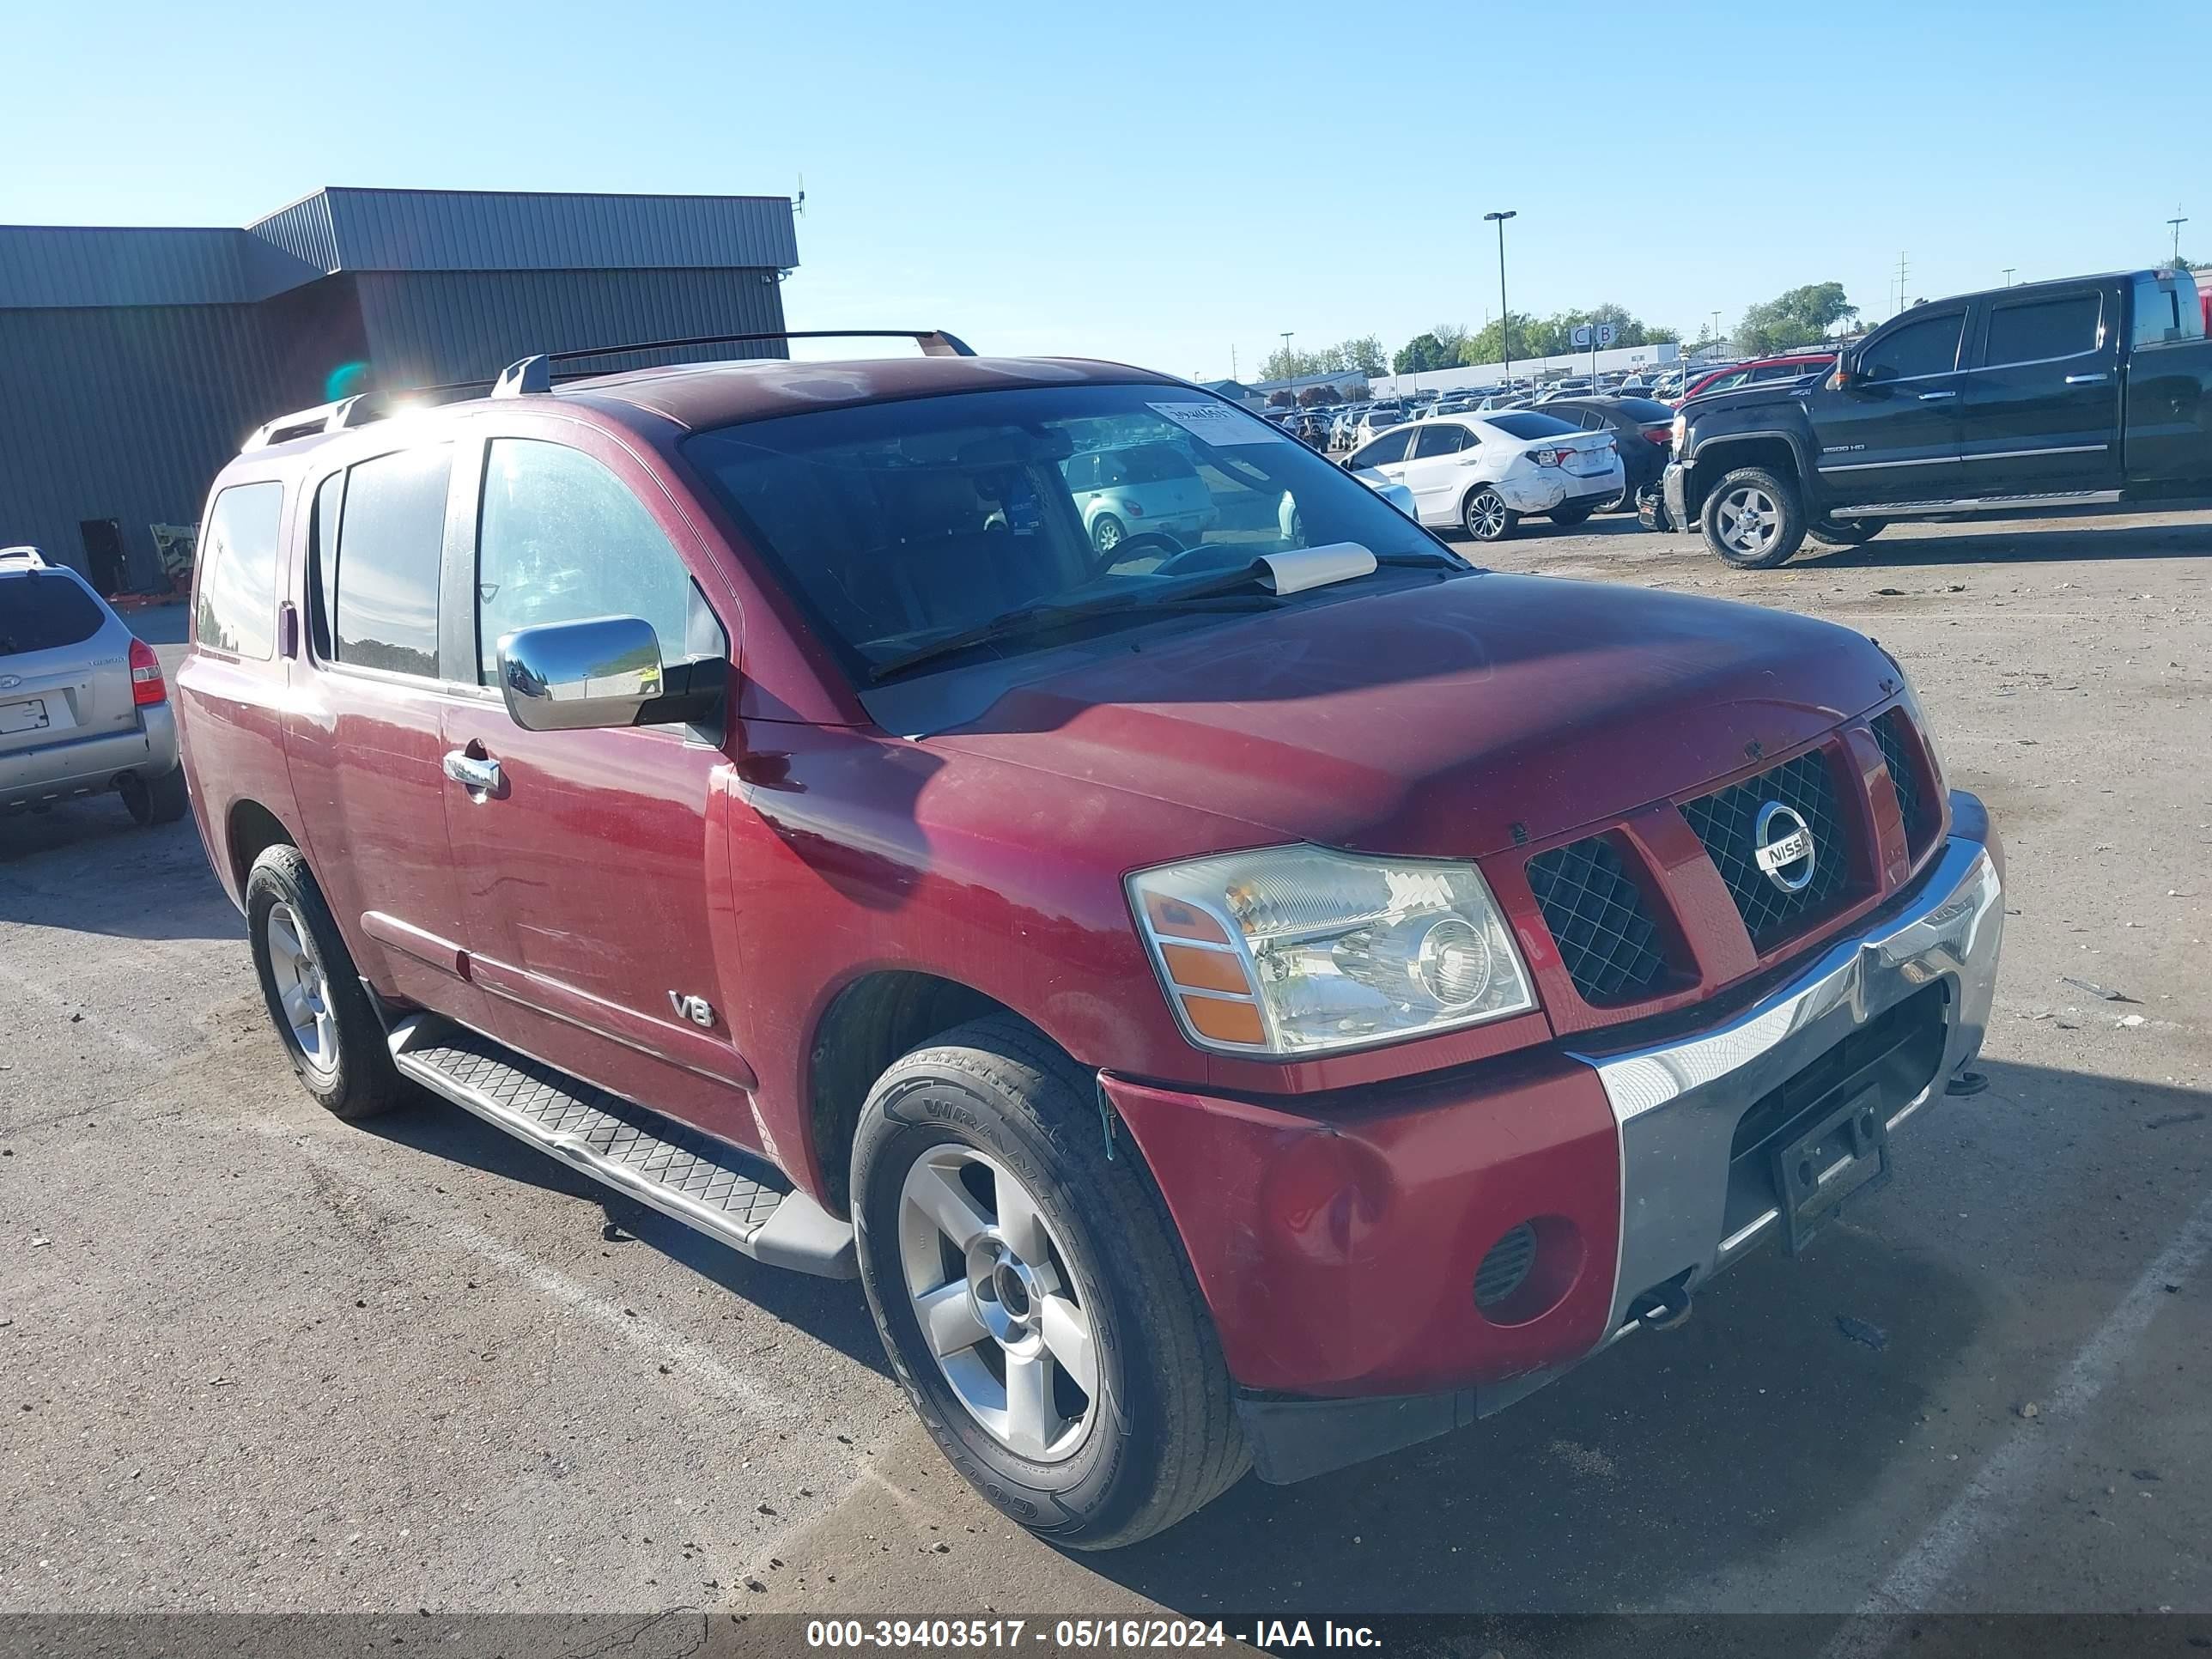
[1844,1155]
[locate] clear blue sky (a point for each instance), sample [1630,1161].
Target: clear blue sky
[1159,182]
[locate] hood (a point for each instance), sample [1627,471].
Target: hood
[1456,718]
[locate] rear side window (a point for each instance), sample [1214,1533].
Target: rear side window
[43,611]
[1927,345]
[1441,439]
[238,583]
[392,533]
[1391,447]
[2169,307]
[1526,423]
[562,539]
[2040,329]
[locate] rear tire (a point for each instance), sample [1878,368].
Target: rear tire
[994,1114]
[1753,518]
[344,1064]
[1567,517]
[1829,533]
[1107,532]
[1484,516]
[155,800]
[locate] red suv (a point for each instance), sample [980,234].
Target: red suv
[1262,996]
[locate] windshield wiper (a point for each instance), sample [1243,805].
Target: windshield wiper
[1039,618]
[1036,618]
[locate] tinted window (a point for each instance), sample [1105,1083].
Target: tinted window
[238,588]
[1156,463]
[2170,307]
[2044,328]
[1441,439]
[562,539]
[323,558]
[1726,382]
[1927,345]
[1390,446]
[385,614]
[42,611]
[1647,412]
[1529,425]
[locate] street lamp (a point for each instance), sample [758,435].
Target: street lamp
[1504,317]
[2008,274]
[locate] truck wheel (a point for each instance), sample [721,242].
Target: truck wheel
[1032,1294]
[155,801]
[1484,516]
[331,1034]
[1753,520]
[1848,532]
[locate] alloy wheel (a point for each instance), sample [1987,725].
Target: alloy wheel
[1748,521]
[302,989]
[993,1293]
[1486,516]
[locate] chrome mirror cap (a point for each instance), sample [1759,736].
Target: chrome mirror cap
[576,676]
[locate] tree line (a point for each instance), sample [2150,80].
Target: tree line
[1802,316]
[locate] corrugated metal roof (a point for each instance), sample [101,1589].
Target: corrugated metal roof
[46,265]
[513,230]
[369,230]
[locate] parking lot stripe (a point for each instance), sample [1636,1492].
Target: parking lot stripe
[696,1364]
[1997,1498]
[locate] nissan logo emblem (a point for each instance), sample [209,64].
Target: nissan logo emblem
[1782,844]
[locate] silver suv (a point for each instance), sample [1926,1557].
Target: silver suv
[83,705]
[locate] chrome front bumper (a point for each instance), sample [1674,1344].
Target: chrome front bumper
[1677,1103]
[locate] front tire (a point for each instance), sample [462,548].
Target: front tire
[1484,516]
[331,1035]
[1032,1296]
[1753,520]
[155,801]
[1830,532]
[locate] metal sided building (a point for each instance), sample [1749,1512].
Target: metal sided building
[133,362]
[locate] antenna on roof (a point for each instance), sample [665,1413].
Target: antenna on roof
[799,202]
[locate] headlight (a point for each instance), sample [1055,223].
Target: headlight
[1299,951]
[1682,431]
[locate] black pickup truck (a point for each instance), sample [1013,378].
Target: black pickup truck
[2047,396]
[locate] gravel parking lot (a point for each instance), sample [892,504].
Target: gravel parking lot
[252,1358]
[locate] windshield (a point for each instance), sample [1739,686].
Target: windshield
[899,523]
[1646,409]
[1527,425]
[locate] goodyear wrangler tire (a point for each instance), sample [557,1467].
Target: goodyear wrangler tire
[1032,1295]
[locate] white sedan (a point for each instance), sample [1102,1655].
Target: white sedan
[1483,474]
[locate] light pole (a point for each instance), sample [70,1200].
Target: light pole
[2175,224]
[1504,317]
[1290,368]
[1716,334]
[2008,271]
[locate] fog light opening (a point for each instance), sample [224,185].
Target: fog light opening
[1528,1270]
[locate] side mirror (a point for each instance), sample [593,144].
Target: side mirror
[576,676]
[1846,372]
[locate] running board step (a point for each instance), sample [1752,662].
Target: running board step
[699,1179]
[1978,504]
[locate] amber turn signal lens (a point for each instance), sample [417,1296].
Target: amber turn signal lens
[1172,919]
[1225,1022]
[1205,970]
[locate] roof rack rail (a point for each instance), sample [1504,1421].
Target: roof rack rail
[348,413]
[535,374]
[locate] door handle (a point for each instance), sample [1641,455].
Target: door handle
[1936,396]
[464,768]
[2097,379]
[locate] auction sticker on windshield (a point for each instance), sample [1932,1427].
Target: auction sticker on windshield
[1218,424]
